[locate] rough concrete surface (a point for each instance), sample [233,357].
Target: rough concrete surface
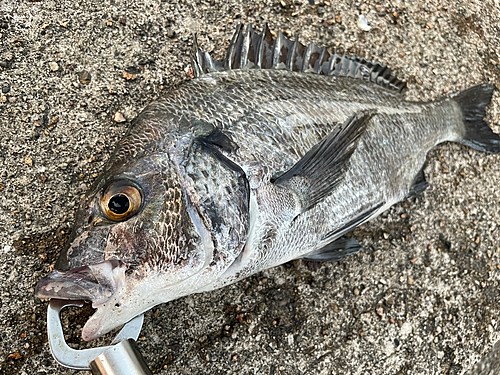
[421,298]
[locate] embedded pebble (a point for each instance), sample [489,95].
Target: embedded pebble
[84,77]
[118,117]
[53,66]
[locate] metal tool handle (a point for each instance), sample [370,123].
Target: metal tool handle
[123,358]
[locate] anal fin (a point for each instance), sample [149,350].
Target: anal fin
[419,184]
[334,251]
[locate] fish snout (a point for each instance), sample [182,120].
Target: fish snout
[96,283]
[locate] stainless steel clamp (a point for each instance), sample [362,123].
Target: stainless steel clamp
[120,358]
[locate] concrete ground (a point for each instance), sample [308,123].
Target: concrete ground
[421,298]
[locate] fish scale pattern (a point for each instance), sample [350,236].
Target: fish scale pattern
[168,240]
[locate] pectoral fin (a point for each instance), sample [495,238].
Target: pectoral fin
[335,250]
[323,166]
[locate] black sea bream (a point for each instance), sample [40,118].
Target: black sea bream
[271,155]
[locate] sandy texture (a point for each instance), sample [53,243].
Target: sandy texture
[421,298]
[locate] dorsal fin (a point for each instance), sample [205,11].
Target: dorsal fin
[251,50]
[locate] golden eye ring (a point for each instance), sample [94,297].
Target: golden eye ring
[121,200]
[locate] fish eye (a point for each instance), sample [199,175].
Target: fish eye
[120,200]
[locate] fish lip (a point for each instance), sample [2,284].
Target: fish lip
[94,283]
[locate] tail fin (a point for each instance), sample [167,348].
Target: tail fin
[473,102]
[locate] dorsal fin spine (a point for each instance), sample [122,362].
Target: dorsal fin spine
[245,48]
[291,54]
[263,51]
[209,61]
[307,57]
[229,61]
[260,49]
[317,64]
[277,50]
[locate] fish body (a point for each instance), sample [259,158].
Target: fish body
[243,169]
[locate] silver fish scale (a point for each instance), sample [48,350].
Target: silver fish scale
[285,110]
[275,117]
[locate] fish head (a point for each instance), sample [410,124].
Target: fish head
[151,230]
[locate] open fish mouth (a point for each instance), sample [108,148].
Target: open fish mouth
[96,283]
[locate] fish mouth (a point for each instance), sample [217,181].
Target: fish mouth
[96,283]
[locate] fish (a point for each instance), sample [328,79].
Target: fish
[273,154]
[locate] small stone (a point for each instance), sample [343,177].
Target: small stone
[84,77]
[170,33]
[386,235]
[52,123]
[380,311]
[128,76]
[29,161]
[410,281]
[15,355]
[189,72]
[363,23]
[356,291]
[5,89]
[3,98]
[53,66]
[118,117]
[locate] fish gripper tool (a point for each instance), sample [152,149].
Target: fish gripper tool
[120,358]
